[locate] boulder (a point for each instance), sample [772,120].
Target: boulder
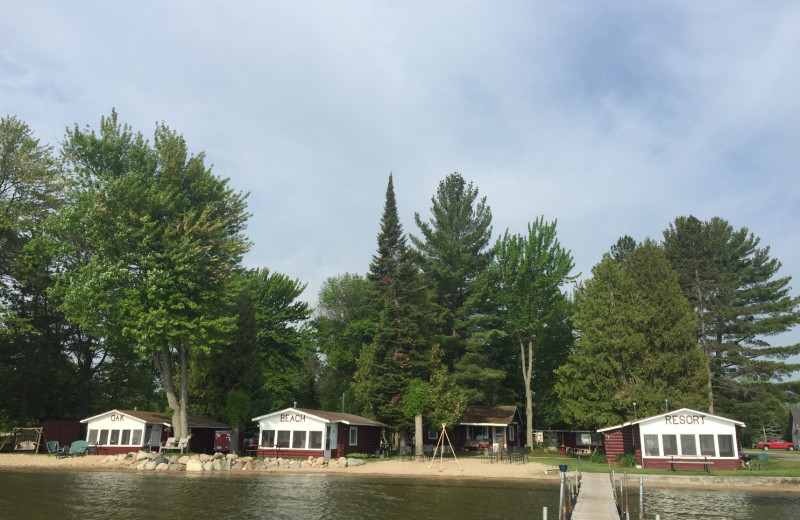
[208,465]
[194,465]
[184,459]
[341,462]
[141,455]
[204,457]
[150,464]
[355,462]
[164,466]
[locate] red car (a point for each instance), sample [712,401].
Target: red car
[777,444]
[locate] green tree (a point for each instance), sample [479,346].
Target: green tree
[282,346]
[732,284]
[344,321]
[636,343]
[31,188]
[527,273]
[453,251]
[165,237]
[236,367]
[398,354]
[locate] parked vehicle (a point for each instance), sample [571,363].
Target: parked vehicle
[250,442]
[777,444]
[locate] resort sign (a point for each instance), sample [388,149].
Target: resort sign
[684,419]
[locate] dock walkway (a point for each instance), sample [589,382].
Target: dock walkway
[596,498]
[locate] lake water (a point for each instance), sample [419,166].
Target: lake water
[136,495]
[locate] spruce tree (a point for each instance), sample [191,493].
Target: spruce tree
[398,354]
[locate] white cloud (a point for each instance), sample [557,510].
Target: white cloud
[613,118]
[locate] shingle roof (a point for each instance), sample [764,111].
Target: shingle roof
[193,421]
[342,417]
[489,415]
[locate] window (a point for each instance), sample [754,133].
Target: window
[299,440]
[512,432]
[433,435]
[670,444]
[707,445]
[103,437]
[725,445]
[268,438]
[688,445]
[126,437]
[651,446]
[114,437]
[283,438]
[137,438]
[583,439]
[353,436]
[92,436]
[315,441]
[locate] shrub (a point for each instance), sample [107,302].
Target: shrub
[627,459]
[598,457]
[357,456]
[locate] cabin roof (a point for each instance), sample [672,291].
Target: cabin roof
[345,418]
[489,415]
[193,421]
[674,412]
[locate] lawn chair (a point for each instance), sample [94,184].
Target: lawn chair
[78,448]
[55,448]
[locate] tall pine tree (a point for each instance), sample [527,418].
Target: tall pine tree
[453,251]
[398,354]
[740,301]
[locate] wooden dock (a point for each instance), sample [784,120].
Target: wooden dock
[596,498]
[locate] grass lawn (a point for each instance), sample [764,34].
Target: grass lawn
[782,464]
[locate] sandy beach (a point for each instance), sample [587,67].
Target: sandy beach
[462,468]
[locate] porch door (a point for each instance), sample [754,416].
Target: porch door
[331,439]
[497,436]
[155,437]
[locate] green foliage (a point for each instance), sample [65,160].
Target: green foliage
[238,405]
[453,251]
[526,274]
[740,301]
[599,457]
[626,459]
[636,344]
[415,399]
[345,320]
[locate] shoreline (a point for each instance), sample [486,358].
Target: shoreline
[448,468]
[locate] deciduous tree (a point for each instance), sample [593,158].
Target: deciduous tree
[165,236]
[528,272]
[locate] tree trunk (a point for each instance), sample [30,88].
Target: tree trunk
[702,319]
[164,366]
[418,434]
[183,366]
[527,372]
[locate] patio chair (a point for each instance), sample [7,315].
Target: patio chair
[78,448]
[55,448]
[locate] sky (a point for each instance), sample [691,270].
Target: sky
[611,117]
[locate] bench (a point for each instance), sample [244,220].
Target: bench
[674,463]
[278,448]
[173,444]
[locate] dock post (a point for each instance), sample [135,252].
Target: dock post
[641,498]
[544,513]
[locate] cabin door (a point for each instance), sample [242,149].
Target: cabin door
[153,437]
[497,436]
[331,436]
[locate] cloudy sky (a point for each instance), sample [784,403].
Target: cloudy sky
[612,117]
